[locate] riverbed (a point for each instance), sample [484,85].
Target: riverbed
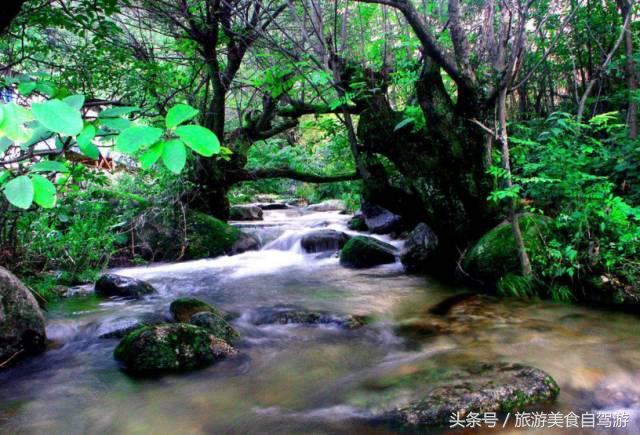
[297,378]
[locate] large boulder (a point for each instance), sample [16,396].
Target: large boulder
[245,213]
[324,240]
[362,252]
[22,327]
[170,348]
[245,243]
[420,244]
[328,205]
[111,284]
[380,220]
[193,236]
[496,255]
[182,309]
[429,396]
[216,325]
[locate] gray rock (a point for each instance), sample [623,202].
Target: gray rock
[324,240]
[420,244]
[291,315]
[328,205]
[22,326]
[111,284]
[245,213]
[380,220]
[246,242]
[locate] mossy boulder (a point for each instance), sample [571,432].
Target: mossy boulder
[363,252]
[209,237]
[22,327]
[496,254]
[182,309]
[120,327]
[111,284]
[419,247]
[174,347]
[216,325]
[245,213]
[415,397]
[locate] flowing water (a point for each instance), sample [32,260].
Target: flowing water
[295,378]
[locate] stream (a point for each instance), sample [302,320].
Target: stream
[297,378]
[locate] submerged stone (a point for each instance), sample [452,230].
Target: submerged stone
[363,252]
[170,348]
[291,315]
[22,327]
[182,309]
[216,325]
[122,286]
[430,396]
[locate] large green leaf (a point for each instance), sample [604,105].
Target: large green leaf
[117,124]
[174,155]
[26,88]
[75,101]
[200,139]
[84,142]
[13,120]
[44,191]
[131,139]
[151,155]
[49,166]
[179,114]
[19,192]
[58,117]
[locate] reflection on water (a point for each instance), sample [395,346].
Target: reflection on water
[297,379]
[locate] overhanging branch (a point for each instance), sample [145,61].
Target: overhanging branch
[262,174]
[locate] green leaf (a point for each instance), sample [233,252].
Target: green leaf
[13,121]
[46,89]
[19,192]
[44,191]
[48,166]
[117,111]
[174,155]
[151,156]
[131,139]
[75,101]
[4,176]
[58,117]
[403,123]
[117,124]
[26,88]
[179,114]
[200,139]
[84,142]
[38,134]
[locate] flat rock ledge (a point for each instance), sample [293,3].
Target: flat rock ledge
[477,387]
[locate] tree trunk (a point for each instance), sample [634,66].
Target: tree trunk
[11,9]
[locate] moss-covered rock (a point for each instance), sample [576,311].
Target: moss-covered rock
[22,329]
[428,396]
[182,309]
[357,223]
[216,325]
[496,254]
[170,348]
[209,237]
[362,252]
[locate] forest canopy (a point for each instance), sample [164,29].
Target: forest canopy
[122,115]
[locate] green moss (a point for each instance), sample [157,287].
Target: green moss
[361,251]
[496,255]
[208,236]
[183,308]
[216,325]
